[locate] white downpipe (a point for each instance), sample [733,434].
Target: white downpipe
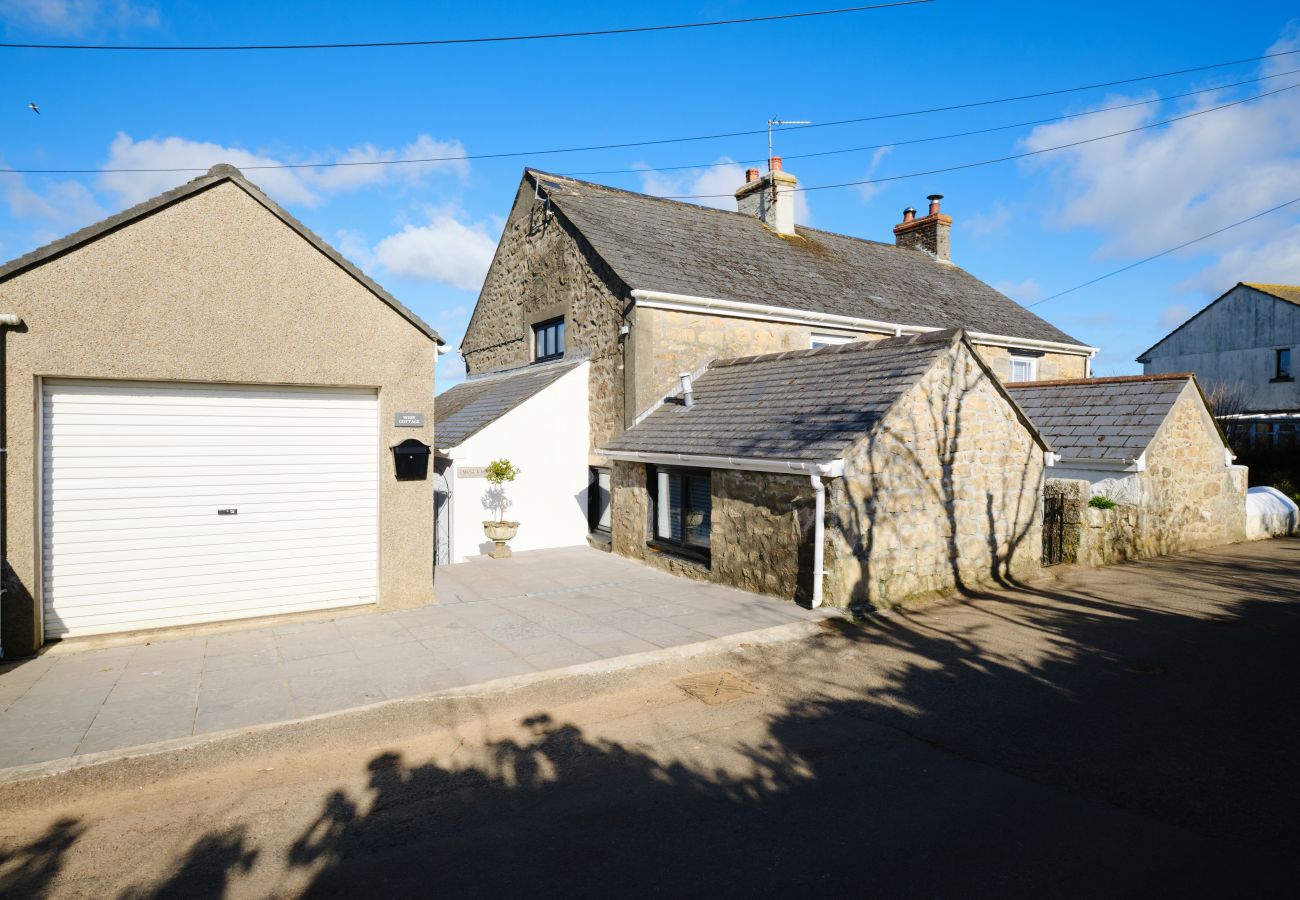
[819,538]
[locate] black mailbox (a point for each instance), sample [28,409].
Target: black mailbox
[411,459]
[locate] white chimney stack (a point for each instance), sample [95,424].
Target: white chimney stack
[770,198]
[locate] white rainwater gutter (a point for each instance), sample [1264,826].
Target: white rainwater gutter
[816,470]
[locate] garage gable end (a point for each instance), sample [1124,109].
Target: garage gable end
[219,175]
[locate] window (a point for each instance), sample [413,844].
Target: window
[830,340]
[598,501]
[1282,369]
[681,510]
[548,340]
[1023,368]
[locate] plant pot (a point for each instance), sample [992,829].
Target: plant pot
[499,533]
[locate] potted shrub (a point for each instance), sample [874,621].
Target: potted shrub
[498,530]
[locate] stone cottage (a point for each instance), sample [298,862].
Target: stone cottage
[863,473]
[1149,443]
[649,288]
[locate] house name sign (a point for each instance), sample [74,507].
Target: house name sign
[471,472]
[408,420]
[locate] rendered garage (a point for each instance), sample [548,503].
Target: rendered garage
[201,404]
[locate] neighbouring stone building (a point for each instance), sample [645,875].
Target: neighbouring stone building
[648,289]
[1150,444]
[860,474]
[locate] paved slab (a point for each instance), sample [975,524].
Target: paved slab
[494,619]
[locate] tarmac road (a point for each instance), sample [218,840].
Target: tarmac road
[1124,732]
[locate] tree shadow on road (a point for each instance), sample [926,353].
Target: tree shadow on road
[1059,741]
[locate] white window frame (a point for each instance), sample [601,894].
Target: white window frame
[1030,361]
[819,340]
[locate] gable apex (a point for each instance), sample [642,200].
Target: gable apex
[222,173]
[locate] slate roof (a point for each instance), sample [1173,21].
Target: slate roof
[681,248]
[466,409]
[1110,419]
[215,176]
[809,405]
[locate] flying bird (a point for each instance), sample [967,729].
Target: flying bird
[34,108]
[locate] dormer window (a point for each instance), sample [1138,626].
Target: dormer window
[548,340]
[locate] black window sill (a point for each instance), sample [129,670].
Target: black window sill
[1280,379]
[542,359]
[695,555]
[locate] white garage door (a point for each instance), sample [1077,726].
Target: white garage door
[169,504]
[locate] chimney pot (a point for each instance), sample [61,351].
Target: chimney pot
[909,214]
[751,175]
[934,203]
[775,164]
[688,392]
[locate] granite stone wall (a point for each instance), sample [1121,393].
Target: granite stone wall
[1193,496]
[1188,497]
[667,343]
[543,270]
[1051,366]
[945,494]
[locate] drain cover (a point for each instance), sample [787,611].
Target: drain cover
[715,688]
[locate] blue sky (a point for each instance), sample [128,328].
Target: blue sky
[426,232]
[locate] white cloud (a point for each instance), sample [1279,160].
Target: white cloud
[1174,315]
[1151,190]
[69,204]
[353,245]
[713,186]
[868,192]
[995,221]
[77,16]
[344,178]
[445,250]
[302,186]
[1026,291]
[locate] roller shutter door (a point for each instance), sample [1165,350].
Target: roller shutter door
[174,503]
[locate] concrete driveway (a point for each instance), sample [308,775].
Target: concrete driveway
[494,618]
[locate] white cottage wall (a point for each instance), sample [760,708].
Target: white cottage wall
[547,437]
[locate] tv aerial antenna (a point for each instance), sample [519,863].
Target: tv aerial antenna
[777,123]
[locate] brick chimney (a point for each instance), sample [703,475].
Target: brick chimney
[931,234]
[770,198]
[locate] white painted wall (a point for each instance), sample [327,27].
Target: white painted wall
[547,437]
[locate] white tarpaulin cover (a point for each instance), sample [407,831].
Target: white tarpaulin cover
[1269,513]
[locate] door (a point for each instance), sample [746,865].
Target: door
[177,503]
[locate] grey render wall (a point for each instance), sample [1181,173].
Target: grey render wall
[543,270]
[945,493]
[1234,340]
[214,288]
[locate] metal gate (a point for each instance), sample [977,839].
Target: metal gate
[441,520]
[1053,529]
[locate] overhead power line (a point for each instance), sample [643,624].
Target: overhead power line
[469,157]
[1140,262]
[437,42]
[1010,157]
[943,137]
